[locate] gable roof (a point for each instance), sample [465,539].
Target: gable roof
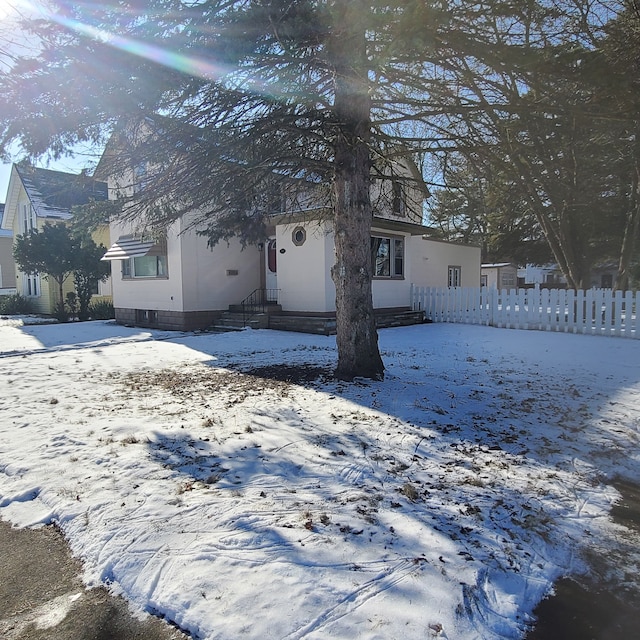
[51,193]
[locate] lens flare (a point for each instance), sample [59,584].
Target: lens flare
[190,65]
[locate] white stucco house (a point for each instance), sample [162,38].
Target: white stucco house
[175,281]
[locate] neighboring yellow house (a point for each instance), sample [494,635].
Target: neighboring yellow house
[39,196]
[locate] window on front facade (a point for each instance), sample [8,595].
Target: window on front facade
[28,218]
[31,285]
[454,276]
[153,265]
[398,204]
[387,256]
[145,267]
[508,279]
[139,177]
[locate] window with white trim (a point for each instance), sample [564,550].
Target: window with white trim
[387,257]
[27,218]
[145,267]
[454,277]
[153,265]
[31,287]
[140,177]
[398,200]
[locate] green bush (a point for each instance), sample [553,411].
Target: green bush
[72,304]
[60,312]
[15,304]
[102,310]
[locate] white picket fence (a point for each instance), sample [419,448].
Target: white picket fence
[595,311]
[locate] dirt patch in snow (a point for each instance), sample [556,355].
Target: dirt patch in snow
[304,375]
[240,383]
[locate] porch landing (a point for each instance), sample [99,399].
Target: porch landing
[322,324]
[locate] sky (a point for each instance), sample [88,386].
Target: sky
[442,502]
[80,157]
[5,172]
[6,10]
[9,9]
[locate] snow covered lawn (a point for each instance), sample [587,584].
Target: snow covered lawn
[226,482]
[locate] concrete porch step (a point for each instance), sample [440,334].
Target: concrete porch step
[268,308]
[231,320]
[309,323]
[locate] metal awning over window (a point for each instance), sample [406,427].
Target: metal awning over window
[129,247]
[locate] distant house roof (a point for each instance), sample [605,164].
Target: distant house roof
[497,265]
[54,193]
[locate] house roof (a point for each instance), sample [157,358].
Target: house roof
[51,193]
[320,213]
[497,265]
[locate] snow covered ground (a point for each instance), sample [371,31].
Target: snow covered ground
[192,477]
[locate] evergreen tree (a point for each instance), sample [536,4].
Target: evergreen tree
[621,92]
[481,206]
[88,270]
[558,146]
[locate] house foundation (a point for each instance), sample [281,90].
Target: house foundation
[170,320]
[316,323]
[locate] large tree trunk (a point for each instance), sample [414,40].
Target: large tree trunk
[357,338]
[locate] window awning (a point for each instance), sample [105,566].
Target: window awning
[129,247]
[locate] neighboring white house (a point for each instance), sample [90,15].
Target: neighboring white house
[547,275]
[499,275]
[177,282]
[602,276]
[38,196]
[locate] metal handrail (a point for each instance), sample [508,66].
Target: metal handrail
[257,302]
